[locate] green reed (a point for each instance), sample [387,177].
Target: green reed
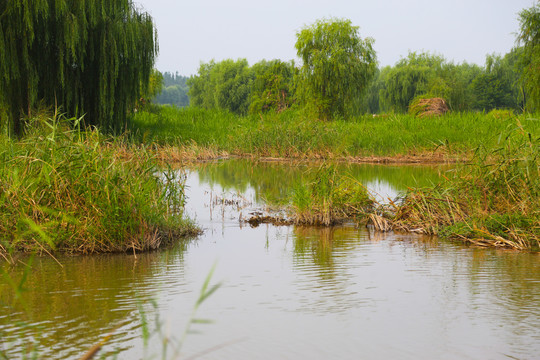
[329,198]
[65,189]
[295,134]
[492,201]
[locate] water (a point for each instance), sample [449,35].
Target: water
[287,292]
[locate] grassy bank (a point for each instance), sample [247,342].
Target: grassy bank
[294,133]
[492,201]
[69,190]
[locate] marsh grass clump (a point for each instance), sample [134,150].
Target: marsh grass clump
[493,201]
[65,189]
[329,199]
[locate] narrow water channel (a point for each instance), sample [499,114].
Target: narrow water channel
[286,292]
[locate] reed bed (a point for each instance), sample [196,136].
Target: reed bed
[492,201]
[64,189]
[293,133]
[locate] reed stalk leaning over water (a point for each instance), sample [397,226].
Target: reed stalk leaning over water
[492,201]
[65,189]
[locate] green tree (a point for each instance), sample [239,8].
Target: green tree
[273,86]
[222,85]
[90,57]
[173,95]
[411,77]
[153,88]
[529,37]
[498,84]
[337,66]
[371,101]
[454,85]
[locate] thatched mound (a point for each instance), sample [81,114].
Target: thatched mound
[428,107]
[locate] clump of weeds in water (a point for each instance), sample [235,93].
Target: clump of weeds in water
[492,201]
[67,189]
[329,199]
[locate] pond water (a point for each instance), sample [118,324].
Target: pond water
[286,292]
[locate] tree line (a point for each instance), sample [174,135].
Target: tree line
[94,59]
[500,84]
[174,90]
[338,76]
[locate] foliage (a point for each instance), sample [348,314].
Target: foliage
[454,85]
[153,88]
[222,85]
[273,86]
[412,76]
[498,85]
[237,87]
[370,102]
[529,36]
[337,66]
[463,86]
[174,91]
[91,57]
[77,191]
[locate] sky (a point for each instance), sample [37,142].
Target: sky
[195,31]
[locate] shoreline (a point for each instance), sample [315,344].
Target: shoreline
[190,154]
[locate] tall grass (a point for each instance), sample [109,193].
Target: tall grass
[492,201]
[66,189]
[294,134]
[329,199]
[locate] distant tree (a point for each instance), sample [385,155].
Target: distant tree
[411,77]
[173,95]
[337,66]
[170,79]
[453,84]
[529,37]
[222,85]
[371,100]
[273,86]
[174,90]
[498,85]
[90,57]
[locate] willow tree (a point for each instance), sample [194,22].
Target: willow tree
[88,56]
[337,66]
[273,86]
[410,77]
[529,37]
[222,85]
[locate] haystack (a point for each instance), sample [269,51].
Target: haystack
[428,107]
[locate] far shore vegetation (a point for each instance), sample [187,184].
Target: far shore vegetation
[96,182]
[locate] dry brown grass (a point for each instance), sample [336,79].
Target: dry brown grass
[493,201]
[428,107]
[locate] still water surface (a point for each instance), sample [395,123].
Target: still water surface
[287,292]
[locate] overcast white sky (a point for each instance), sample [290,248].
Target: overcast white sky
[201,30]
